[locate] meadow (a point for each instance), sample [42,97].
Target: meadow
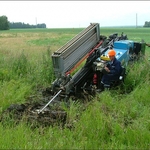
[115,119]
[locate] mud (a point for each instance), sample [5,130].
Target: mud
[53,114]
[29,111]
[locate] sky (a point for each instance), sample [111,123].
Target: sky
[74,14]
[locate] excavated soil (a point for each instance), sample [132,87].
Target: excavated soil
[29,111]
[53,114]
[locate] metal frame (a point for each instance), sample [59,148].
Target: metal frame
[65,58]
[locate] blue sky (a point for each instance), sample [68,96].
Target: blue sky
[73,14]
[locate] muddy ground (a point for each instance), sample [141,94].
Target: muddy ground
[53,114]
[29,111]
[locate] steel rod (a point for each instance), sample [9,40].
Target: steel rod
[49,102]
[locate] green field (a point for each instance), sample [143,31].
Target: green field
[115,119]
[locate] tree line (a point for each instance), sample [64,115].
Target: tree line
[147,24]
[18,25]
[6,25]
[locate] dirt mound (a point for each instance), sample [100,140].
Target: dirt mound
[53,114]
[29,111]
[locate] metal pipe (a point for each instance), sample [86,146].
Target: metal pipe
[49,102]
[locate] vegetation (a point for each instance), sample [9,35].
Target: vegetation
[147,24]
[4,24]
[18,25]
[115,119]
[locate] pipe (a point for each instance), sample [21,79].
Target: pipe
[49,102]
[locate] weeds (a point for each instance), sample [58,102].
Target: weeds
[115,119]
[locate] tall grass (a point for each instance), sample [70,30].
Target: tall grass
[115,119]
[108,122]
[19,76]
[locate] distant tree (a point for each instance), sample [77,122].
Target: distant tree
[4,24]
[18,25]
[147,24]
[43,25]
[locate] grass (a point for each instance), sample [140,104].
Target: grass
[116,119]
